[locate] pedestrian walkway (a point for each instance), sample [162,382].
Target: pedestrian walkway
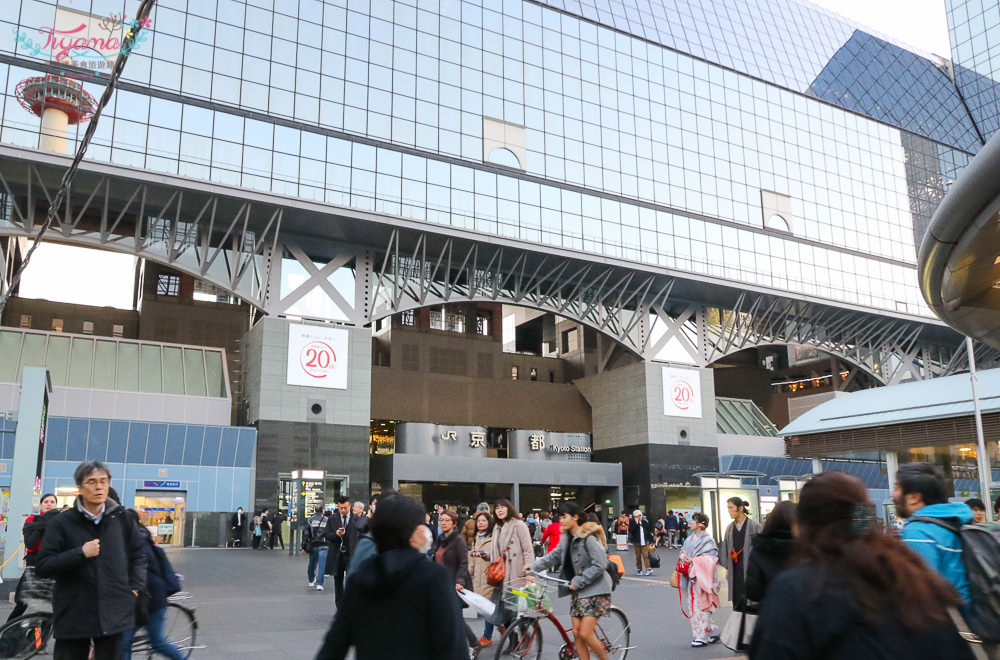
[255,605]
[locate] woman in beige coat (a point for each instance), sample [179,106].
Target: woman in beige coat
[511,539]
[479,561]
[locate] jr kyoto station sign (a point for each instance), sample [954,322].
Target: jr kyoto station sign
[548,446]
[441,440]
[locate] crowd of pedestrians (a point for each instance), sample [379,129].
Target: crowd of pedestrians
[823,578]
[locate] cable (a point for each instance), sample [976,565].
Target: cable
[127,44]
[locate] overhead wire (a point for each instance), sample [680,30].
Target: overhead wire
[134,28]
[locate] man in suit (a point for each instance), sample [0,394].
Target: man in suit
[276,521]
[344,522]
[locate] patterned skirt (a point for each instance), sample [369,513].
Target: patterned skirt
[596,606]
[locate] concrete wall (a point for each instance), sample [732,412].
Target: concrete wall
[43,311]
[630,427]
[464,400]
[132,406]
[290,436]
[269,397]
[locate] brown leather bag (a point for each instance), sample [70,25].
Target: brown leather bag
[497,569]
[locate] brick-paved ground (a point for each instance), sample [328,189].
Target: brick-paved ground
[256,605]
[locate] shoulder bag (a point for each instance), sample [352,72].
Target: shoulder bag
[497,569]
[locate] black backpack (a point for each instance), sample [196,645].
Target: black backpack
[616,577]
[981,558]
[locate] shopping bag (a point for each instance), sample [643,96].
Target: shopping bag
[479,603]
[738,631]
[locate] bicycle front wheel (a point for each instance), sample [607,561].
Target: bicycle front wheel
[25,636]
[614,631]
[180,628]
[521,641]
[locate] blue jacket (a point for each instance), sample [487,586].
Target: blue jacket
[940,548]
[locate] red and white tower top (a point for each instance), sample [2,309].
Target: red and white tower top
[59,101]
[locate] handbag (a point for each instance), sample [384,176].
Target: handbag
[738,631]
[497,570]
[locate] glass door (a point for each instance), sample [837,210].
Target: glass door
[162,513]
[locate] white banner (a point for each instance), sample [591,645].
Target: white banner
[317,356]
[681,392]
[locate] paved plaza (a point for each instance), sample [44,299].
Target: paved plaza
[255,604]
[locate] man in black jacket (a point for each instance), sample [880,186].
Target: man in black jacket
[347,534]
[640,535]
[239,525]
[317,534]
[96,555]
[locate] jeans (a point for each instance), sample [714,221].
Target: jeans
[488,630]
[317,564]
[157,641]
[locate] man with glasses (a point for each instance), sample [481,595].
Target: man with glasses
[95,554]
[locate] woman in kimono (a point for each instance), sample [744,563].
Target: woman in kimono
[735,552]
[700,587]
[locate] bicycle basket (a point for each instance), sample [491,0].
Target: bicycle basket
[529,597]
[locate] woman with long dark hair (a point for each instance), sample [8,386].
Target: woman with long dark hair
[853,592]
[400,586]
[511,541]
[735,550]
[479,561]
[772,549]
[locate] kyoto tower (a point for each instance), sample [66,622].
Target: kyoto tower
[59,101]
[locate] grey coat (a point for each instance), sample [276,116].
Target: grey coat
[753,529]
[589,558]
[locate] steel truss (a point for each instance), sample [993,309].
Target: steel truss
[243,246]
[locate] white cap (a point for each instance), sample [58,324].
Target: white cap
[637,512]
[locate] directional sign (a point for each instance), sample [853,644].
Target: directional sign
[161,484]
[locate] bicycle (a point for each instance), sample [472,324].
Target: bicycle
[532,598]
[180,627]
[29,634]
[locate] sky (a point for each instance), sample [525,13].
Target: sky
[55,272]
[919,23]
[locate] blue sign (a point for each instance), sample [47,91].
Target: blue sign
[161,484]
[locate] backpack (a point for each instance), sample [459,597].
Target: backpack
[615,569]
[981,558]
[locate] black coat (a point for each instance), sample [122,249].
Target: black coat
[811,614]
[771,551]
[93,596]
[352,533]
[415,595]
[455,557]
[33,531]
[633,531]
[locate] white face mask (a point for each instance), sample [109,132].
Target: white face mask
[428,540]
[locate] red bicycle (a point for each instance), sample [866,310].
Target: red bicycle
[532,599]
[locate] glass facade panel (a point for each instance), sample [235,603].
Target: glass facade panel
[105,365]
[650,127]
[57,359]
[173,370]
[150,369]
[81,365]
[194,372]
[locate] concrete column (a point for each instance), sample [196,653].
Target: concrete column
[32,419]
[53,134]
[817,466]
[891,465]
[516,496]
